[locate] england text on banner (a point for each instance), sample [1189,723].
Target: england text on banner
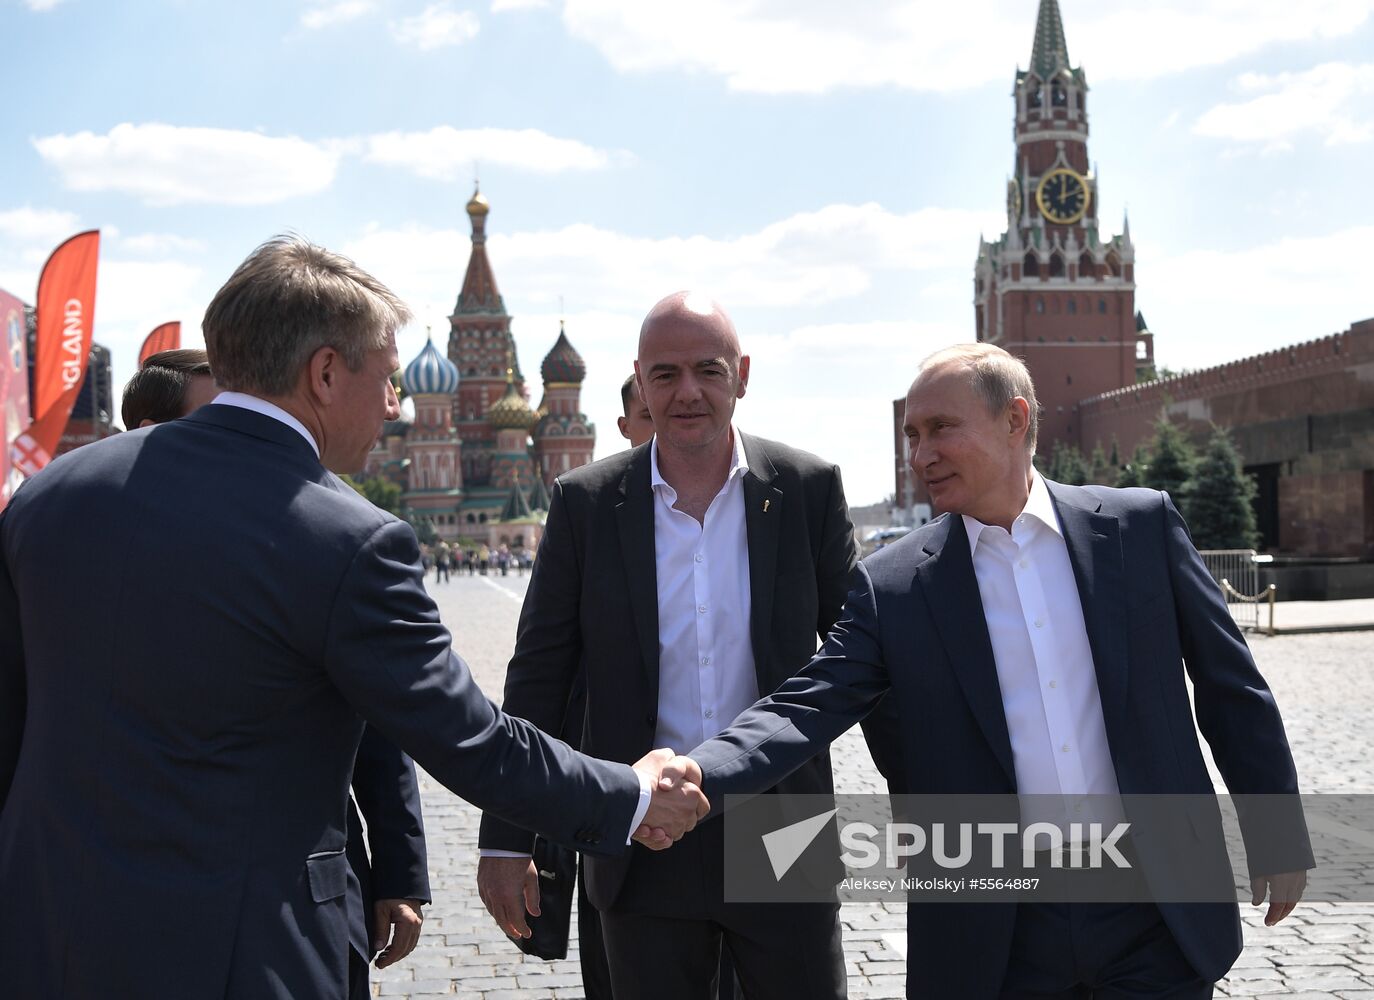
[66,311]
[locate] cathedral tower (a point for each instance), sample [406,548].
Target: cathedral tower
[564,438]
[1054,290]
[481,345]
[434,479]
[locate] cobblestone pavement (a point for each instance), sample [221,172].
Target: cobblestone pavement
[1323,683]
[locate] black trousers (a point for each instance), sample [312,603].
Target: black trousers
[591,949]
[670,927]
[596,971]
[1097,951]
[358,970]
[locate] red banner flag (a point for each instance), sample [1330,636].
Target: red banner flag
[14,387]
[66,310]
[166,337]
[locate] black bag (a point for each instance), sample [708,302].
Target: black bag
[549,932]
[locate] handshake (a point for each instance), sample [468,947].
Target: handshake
[677,801]
[510,886]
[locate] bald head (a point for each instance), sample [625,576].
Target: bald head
[696,311]
[690,370]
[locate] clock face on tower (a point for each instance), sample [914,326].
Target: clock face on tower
[1062,196]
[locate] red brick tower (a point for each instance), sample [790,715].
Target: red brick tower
[1053,290]
[481,345]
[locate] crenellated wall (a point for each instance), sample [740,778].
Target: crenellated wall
[1328,375]
[1302,415]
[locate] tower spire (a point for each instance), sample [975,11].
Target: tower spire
[1050,52]
[479,294]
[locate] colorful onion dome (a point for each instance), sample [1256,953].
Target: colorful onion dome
[563,363]
[511,412]
[430,373]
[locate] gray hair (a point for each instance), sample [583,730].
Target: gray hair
[996,376]
[288,299]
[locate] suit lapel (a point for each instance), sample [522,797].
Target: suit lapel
[763,526]
[951,589]
[635,519]
[1094,543]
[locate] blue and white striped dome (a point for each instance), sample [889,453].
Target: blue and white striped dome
[430,374]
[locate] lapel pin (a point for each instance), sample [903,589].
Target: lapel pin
[765,506]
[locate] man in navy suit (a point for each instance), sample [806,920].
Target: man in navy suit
[193,618]
[1035,640]
[388,889]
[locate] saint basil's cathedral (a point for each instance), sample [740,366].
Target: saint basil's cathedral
[477,459]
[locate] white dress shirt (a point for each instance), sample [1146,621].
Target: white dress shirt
[244,401]
[1044,665]
[705,655]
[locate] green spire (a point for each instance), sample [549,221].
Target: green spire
[517,506]
[1051,52]
[539,496]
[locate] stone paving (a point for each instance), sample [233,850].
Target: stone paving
[1324,685]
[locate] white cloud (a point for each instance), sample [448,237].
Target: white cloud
[155,244]
[1293,271]
[43,227]
[445,153]
[329,14]
[1209,306]
[41,5]
[812,46]
[806,259]
[1333,101]
[498,6]
[171,165]
[438,25]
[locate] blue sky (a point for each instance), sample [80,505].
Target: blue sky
[825,169]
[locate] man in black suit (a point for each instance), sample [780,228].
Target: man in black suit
[1034,640]
[687,575]
[193,617]
[388,889]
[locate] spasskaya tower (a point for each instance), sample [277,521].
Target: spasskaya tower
[1053,289]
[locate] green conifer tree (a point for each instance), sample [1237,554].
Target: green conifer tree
[1099,472]
[1171,462]
[1073,470]
[1221,512]
[1051,469]
[1133,472]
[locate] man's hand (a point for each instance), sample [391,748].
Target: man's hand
[1284,892]
[677,801]
[402,918]
[509,887]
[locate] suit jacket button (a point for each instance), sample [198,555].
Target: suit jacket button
[651,719]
